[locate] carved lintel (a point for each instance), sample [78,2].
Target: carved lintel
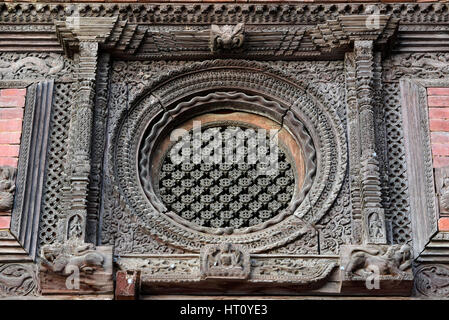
[7,188]
[227,37]
[75,267]
[377,269]
[172,273]
[224,261]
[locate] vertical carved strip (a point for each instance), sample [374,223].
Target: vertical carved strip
[74,224]
[381,142]
[354,147]
[98,147]
[373,214]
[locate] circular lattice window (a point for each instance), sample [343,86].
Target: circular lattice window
[228,170]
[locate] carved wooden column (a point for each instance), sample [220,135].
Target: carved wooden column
[81,37]
[80,136]
[73,266]
[373,215]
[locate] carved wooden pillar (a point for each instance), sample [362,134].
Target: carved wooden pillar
[72,265]
[80,135]
[373,215]
[83,37]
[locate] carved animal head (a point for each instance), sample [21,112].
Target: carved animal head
[226,37]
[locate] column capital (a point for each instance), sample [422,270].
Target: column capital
[74,31]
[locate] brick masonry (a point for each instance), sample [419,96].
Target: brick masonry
[12,103]
[438,103]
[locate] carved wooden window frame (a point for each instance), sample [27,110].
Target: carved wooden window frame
[422,193]
[30,178]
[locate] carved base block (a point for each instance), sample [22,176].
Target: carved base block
[127,285]
[376,270]
[76,272]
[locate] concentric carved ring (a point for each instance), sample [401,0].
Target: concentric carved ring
[244,87]
[211,102]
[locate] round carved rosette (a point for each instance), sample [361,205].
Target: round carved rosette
[222,95]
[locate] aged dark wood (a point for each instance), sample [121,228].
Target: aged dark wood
[33,155]
[347,85]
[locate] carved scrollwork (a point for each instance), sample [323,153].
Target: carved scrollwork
[18,280]
[294,270]
[174,94]
[34,65]
[432,281]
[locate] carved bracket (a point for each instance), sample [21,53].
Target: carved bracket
[75,267]
[377,269]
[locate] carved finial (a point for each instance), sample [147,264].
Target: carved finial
[227,37]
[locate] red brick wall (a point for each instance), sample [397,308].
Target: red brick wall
[12,103]
[438,103]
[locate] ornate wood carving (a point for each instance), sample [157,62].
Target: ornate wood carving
[98,147]
[368,268]
[334,208]
[432,281]
[442,188]
[18,280]
[295,227]
[7,187]
[258,273]
[373,215]
[226,37]
[31,171]
[83,35]
[419,163]
[224,261]
[75,267]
